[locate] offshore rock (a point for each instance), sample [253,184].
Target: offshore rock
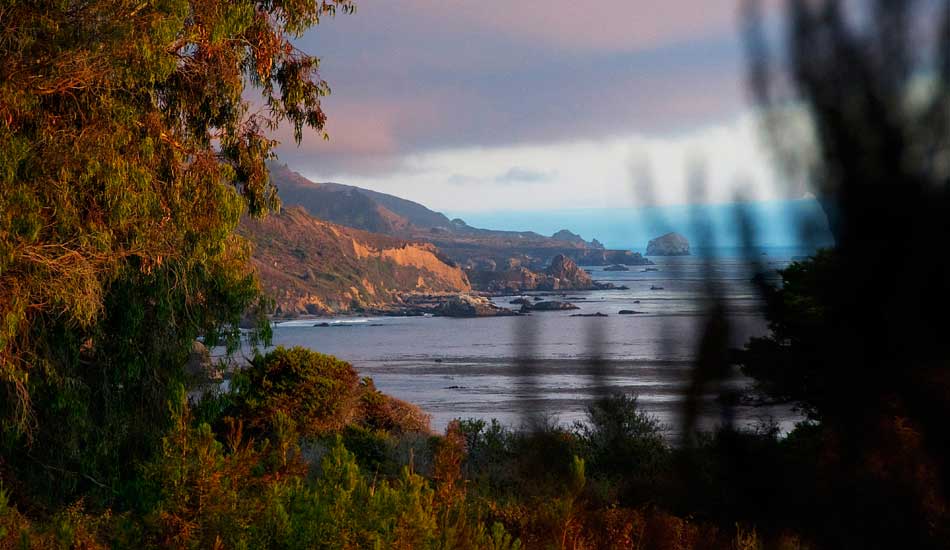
[671,244]
[548,306]
[465,305]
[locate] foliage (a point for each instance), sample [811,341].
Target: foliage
[382,412]
[216,483]
[209,492]
[859,335]
[128,153]
[507,463]
[319,391]
[788,363]
[247,493]
[621,440]
[619,444]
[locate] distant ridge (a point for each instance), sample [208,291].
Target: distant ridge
[341,204]
[470,247]
[369,210]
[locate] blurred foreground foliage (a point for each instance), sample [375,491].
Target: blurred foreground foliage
[250,468]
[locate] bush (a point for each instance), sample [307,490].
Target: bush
[322,393]
[256,494]
[318,391]
[373,449]
[533,461]
[379,411]
[622,441]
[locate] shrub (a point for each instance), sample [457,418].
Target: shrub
[343,509]
[379,411]
[318,391]
[623,441]
[70,527]
[489,452]
[373,449]
[13,526]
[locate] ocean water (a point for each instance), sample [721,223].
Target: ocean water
[553,364]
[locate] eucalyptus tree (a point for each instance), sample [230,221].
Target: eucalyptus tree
[133,138]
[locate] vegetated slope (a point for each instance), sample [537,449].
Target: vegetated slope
[312,266]
[371,210]
[354,207]
[340,204]
[417,214]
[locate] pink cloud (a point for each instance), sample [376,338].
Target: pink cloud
[616,25]
[417,75]
[368,134]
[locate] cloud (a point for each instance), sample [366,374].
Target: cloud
[612,25]
[427,75]
[460,179]
[586,173]
[537,101]
[517,174]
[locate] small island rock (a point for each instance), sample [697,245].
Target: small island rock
[465,305]
[671,244]
[548,306]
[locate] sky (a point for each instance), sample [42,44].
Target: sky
[482,108]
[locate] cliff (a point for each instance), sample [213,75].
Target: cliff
[671,244]
[312,266]
[562,274]
[567,274]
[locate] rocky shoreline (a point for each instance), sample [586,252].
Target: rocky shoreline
[463,305]
[440,305]
[562,274]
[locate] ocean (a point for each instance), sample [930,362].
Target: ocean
[479,368]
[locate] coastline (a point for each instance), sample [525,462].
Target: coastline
[470,367]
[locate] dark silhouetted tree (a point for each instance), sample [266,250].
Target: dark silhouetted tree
[859,332]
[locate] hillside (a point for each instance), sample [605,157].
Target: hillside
[312,266]
[340,204]
[374,211]
[470,247]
